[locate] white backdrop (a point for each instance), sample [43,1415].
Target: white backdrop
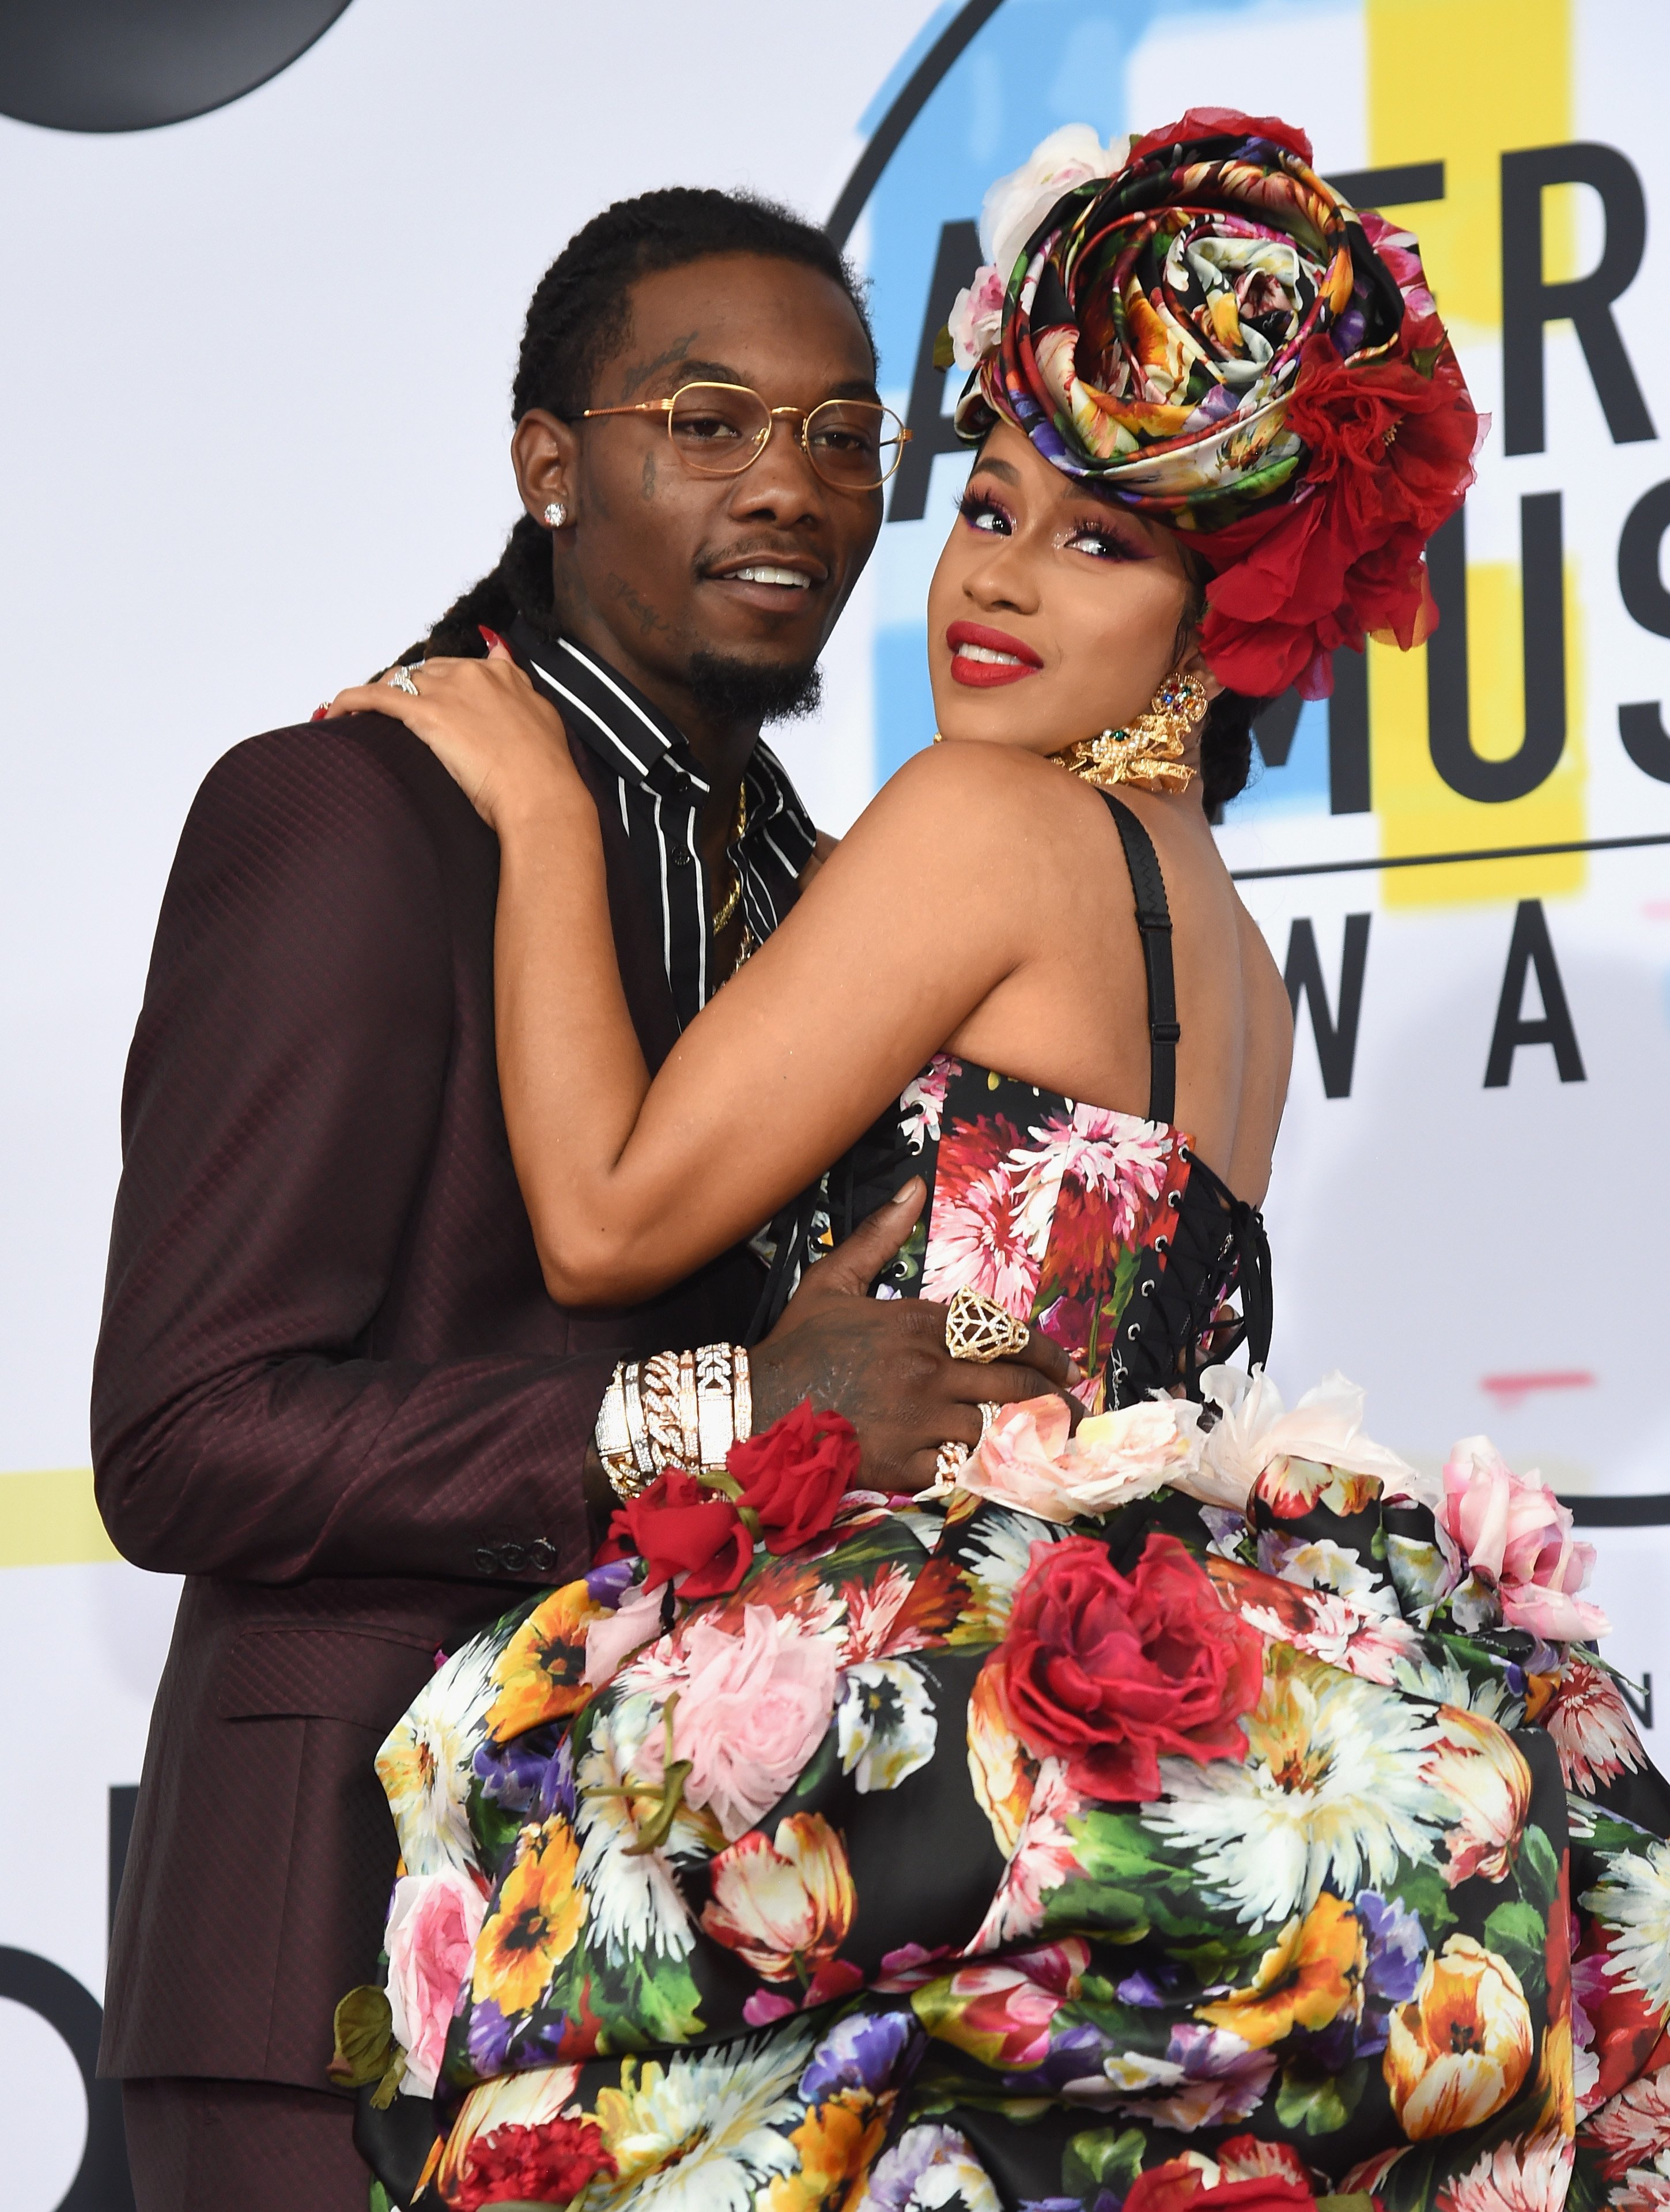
[256,375]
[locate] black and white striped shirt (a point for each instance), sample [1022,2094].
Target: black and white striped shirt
[660,787]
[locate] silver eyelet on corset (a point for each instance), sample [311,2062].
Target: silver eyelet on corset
[1162,1243]
[1148,1290]
[1174,1199]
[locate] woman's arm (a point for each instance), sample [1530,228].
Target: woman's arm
[629,1184]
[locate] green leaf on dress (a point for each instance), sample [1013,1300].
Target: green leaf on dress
[1517,1932]
[364,2029]
[1424,1891]
[1319,2102]
[1102,2158]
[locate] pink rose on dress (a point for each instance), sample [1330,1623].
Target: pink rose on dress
[752,1708]
[1516,1535]
[432,1924]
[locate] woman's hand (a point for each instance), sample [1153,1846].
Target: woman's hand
[501,743]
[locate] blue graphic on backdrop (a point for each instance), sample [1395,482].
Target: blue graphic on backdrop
[1030,67]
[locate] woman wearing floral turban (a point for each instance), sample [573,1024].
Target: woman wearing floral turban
[1172,1797]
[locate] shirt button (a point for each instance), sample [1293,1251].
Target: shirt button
[679,857]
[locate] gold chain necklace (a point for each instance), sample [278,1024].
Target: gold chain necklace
[733,899]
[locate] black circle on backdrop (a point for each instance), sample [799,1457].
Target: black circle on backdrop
[132,64]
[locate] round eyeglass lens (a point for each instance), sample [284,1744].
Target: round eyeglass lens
[854,444]
[719,427]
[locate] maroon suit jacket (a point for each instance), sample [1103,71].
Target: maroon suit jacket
[330,1388]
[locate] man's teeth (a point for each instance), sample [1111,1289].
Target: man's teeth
[764,575]
[989,652]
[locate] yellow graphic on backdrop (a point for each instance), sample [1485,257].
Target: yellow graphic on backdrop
[1463,81]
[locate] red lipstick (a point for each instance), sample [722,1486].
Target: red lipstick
[979,671]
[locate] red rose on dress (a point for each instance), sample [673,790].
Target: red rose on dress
[794,1474]
[1113,1672]
[546,2165]
[680,1527]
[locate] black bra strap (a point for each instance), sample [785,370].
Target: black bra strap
[1154,921]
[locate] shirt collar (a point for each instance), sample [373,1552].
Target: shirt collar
[608,712]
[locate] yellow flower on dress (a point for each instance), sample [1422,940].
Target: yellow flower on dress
[1004,1774]
[834,2146]
[534,1921]
[700,2131]
[786,1906]
[539,1674]
[1461,2046]
[1310,1975]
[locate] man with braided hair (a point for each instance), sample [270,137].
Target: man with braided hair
[331,1389]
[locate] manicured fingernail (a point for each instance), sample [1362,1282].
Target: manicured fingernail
[910,1193]
[492,636]
[318,713]
[1075,1372]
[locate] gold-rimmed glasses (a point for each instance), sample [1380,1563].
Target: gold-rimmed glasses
[721,430]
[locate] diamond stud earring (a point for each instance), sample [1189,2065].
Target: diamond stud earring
[556,514]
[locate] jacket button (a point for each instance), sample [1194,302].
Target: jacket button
[679,857]
[487,1559]
[512,1557]
[542,1556]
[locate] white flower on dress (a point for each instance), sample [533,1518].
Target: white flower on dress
[427,1762]
[1635,1900]
[998,1553]
[1530,2175]
[884,1722]
[1331,1789]
[922,1100]
[1325,1427]
[1447,1682]
[929,2167]
[1365,1644]
[635,1905]
[701,2131]
[1594,1730]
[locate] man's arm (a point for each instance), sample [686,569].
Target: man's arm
[281,1112]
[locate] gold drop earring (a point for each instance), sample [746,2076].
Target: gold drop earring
[1148,752]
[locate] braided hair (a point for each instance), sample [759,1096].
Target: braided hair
[580,313]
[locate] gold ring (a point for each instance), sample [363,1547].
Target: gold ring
[988,1413]
[979,1328]
[948,1459]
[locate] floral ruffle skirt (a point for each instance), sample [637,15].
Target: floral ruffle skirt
[866,1884]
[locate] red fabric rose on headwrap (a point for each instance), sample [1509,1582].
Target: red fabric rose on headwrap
[1225,346]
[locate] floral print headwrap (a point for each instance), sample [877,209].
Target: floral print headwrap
[1201,325]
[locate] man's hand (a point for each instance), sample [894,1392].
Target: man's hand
[883,1362]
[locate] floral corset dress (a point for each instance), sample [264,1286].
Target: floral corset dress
[1269,1835]
[1103,1230]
